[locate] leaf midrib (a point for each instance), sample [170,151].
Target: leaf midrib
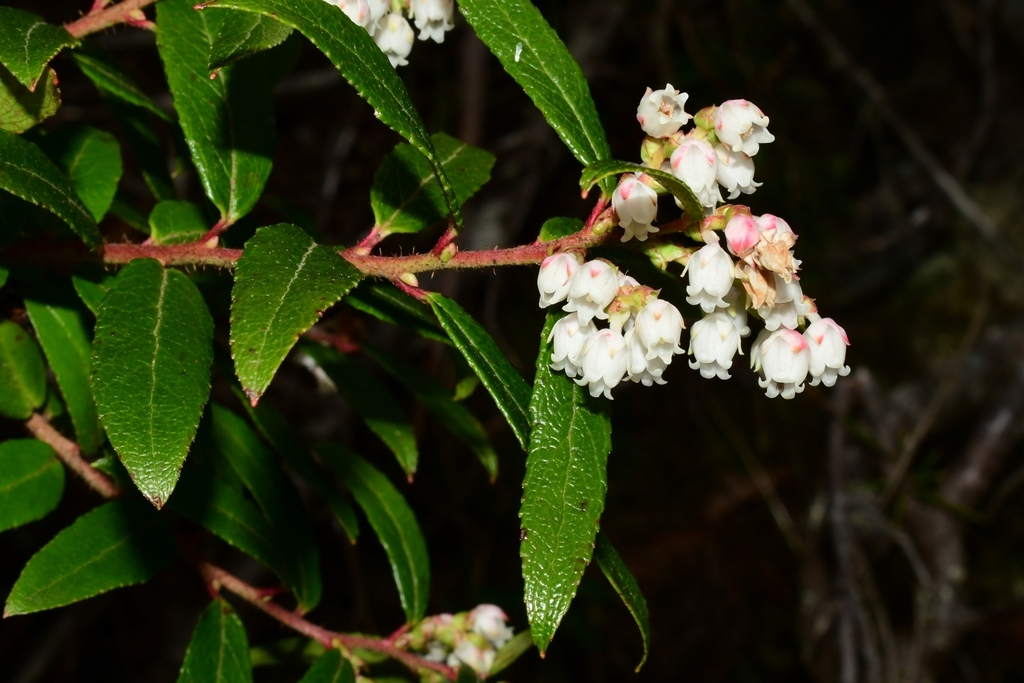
[424,181]
[414,579]
[34,474]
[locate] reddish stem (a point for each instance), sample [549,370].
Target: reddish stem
[111,16]
[71,455]
[219,227]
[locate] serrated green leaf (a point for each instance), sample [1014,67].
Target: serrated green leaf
[556,228]
[92,284]
[624,583]
[331,667]
[372,401]
[534,55]
[511,651]
[176,222]
[64,334]
[26,172]
[91,159]
[507,387]
[31,482]
[404,196]
[219,649]
[600,171]
[394,523]
[106,74]
[151,359]
[117,544]
[27,44]
[21,108]
[244,34]
[228,121]
[351,49]
[563,491]
[455,417]
[22,374]
[386,302]
[283,283]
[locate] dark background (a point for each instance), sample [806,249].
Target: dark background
[757,529]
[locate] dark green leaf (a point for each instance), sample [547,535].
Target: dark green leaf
[21,108]
[393,522]
[243,34]
[27,44]
[532,53]
[4,272]
[405,197]
[114,545]
[286,651]
[507,387]
[22,374]
[624,583]
[556,228]
[151,371]
[146,147]
[92,284]
[26,172]
[106,74]
[283,283]
[466,675]
[219,649]
[60,323]
[511,651]
[31,482]
[91,159]
[127,212]
[563,492]
[372,401]
[176,222]
[600,171]
[331,667]
[386,302]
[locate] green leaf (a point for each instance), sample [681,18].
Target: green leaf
[243,34]
[386,302]
[63,332]
[507,387]
[146,147]
[624,583]
[117,544]
[372,401]
[176,222]
[455,417]
[394,523]
[21,108]
[219,649]
[151,359]
[228,120]
[27,44]
[283,283]
[331,667]
[26,172]
[286,651]
[600,171]
[405,197]
[31,482]
[92,284]
[351,49]
[556,228]
[511,651]
[106,74]
[91,159]
[532,53]
[466,675]
[22,374]
[563,492]
[4,272]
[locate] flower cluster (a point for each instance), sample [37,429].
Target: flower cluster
[385,21]
[465,639]
[643,332]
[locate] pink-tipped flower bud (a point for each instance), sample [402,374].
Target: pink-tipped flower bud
[661,111]
[591,288]
[742,235]
[636,205]
[711,274]
[694,163]
[741,126]
[827,343]
[784,360]
[553,279]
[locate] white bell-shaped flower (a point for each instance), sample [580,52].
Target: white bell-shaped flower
[490,622]
[480,659]
[394,37]
[711,275]
[694,162]
[741,126]
[604,362]
[742,234]
[784,360]
[659,326]
[568,337]
[554,276]
[827,344]
[714,340]
[591,288]
[736,308]
[640,369]
[789,305]
[661,111]
[636,205]
[433,18]
[735,171]
[358,11]
[378,9]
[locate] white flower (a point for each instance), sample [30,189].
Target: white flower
[569,338]
[659,326]
[694,163]
[661,111]
[553,279]
[433,18]
[479,659]
[827,344]
[604,362]
[394,37]
[736,308]
[741,126]
[591,288]
[356,10]
[378,8]
[735,172]
[784,360]
[639,368]
[636,205]
[789,305]
[627,281]
[742,234]
[436,651]
[714,340]
[711,276]
[489,621]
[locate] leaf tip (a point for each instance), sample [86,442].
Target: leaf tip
[253,396]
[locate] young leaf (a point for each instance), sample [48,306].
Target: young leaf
[106,74]
[60,324]
[114,545]
[21,108]
[26,172]
[228,121]
[563,492]
[386,302]
[556,228]
[532,53]
[243,34]
[92,284]
[91,159]
[394,523]
[151,359]
[405,197]
[22,374]
[600,171]
[283,283]
[330,667]
[31,482]
[176,222]
[507,387]
[372,401]
[624,583]
[27,44]
[511,651]
[219,649]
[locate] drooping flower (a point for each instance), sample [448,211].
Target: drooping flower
[827,344]
[490,621]
[433,18]
[735,172]
[636,205]
[742,234]
[784,359]
[480,659]
[661,111]
[569,337]
[787,306]
[641,369]
[394,37]
[591,288]
[714,340]
[604,362]
[358,11]
[741,126]
[736,309]
[711,276]
[554,276]
[659,326]
[694,163]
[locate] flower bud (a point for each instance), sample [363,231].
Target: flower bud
[694,163]
[554,276]
[735,171]
[714,340]
[433,18]
[661,111]
[394,37]
[741,126]
[827,344]
[604,362]
[591,288]
[742,234]
[784,361]
[569,337]
[659,326]
[711,277]
[636,206]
